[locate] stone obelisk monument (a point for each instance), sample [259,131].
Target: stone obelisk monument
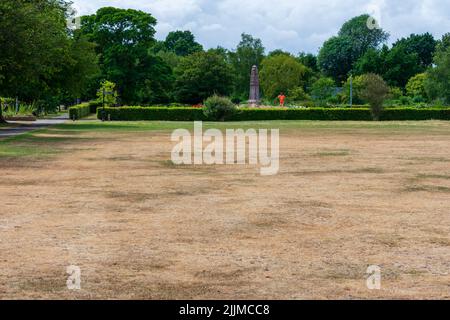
[254,88]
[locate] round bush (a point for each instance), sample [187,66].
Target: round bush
[218,108]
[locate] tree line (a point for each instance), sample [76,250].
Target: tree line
[45,63]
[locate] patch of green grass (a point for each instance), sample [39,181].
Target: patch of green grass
[333,153]
[25,151]
[373,170]
[426,159]
[427,188]
[29,144]
[334,126]
[433,176]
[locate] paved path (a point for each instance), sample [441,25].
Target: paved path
[26,126]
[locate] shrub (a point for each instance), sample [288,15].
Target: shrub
[322,90]
[281,73]
[109,88]
[218,108]
[374,91]
[298,94]
[395,93]
[357,82]
[416,85]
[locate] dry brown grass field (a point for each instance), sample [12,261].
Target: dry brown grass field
[107,198]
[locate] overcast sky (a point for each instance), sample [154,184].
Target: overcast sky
[292,25]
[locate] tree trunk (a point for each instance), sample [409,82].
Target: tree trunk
[2,120]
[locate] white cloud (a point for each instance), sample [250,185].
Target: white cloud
[293,25]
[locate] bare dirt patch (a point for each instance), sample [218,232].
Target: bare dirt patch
[141,227]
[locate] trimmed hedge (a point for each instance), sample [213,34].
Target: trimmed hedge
[83,110]
[94,105]
[79,111]
[415,114]
[255,114]
[162,114]
[302,114]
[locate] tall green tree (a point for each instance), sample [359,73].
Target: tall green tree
[322,90]
[308,60]
[123,38]
[248,53]
[395,65]
[371,62]
[336,58]
[437,83]
[182,43]
[423,45]
[201,75]
[399,66]
[363,37]
[81,71]
[35,48]
[338,54]
[41,60]
[281,73]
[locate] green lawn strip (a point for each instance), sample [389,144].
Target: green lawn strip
[32,144]
[441,127]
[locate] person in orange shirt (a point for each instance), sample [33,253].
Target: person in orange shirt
[282,99]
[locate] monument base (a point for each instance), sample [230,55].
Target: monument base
[253,103]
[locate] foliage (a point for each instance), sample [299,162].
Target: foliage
[438,78]
[248,53]
[308,60]
[9,108]
[298,94]
[372,61]
[395,65]
[79,111]
[200,76]
[416,86]
[81,70]
[338,54]
[423,45]
[123,37]
[280,73]
[358,84]
[400,66]
[395,93]
[171,59]
[107,93]
[182,43]
[322,90]
[374,91]
[362,37]
[336,58]
[39,56]
[218,108]
[278,52]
